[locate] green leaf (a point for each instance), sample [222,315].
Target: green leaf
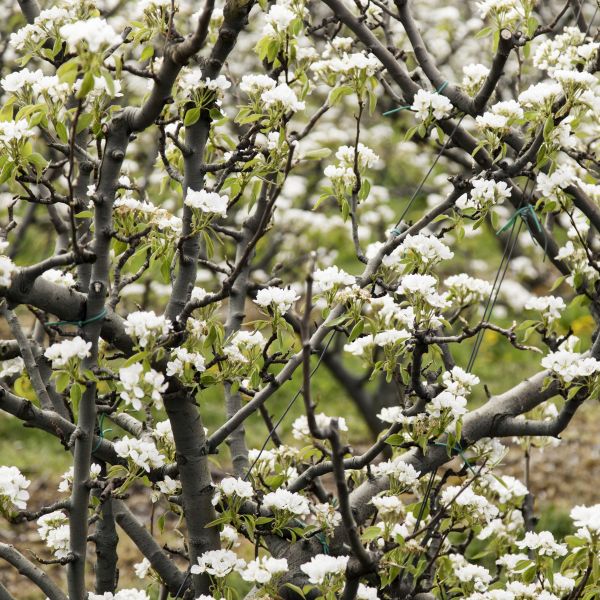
[138,259]
[61,131]
[356,330]
[7,171]
[337,93]
[83,122]
[296,589]
[165,269]
[317,154]
[147,53]
[371,533]
[191,116]
[67,72]
[395,440]
[87,85]
[483,33]
[62,381]
[75,394]
[38,161]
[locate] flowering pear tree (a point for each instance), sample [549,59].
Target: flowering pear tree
[207,209]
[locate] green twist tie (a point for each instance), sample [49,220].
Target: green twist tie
[395,110]
[97,317]
[522,212]
[101,432]
[395,232]
[460,453]
[319,535]
[323,540]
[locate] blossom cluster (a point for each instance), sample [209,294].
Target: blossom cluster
[13,490]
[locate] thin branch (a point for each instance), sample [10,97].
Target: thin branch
[26,568]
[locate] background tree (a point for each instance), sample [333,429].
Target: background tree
[350,183]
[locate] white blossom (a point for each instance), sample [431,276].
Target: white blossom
[142,568]
[427,103]
[228,535]
[422,287]
[484,194]
[386,505]
[14,131]
[401,471]
[277,298]
[543,543]
[12,366]
[230,486]
[459,382]
[284,500]
[447,403]
[466,289]
[243,341]
[365,592]
[279,17]
[427,248]
[571,365]
[510,109]
[510,561]
[53,528]
[13,489]
[168,486]
[492,121]
[366,157]
[163,431]
[506,487]
[327,515]
[572,80]
[124,594]
[145,327]
[282,96]
[57,277]
[327,279]
[218,563]
[141,453]
[256,84]
[138,385]
[390,337]
[473,77]
[587,517]
[540,94]
[7,268]
[560,584]
[208,202]
[323,566]
[551,307]
[182,357]
[301,431]
[66,481]
[262,569]
[62,352]
[467,500]
[95,32]
[478,575]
